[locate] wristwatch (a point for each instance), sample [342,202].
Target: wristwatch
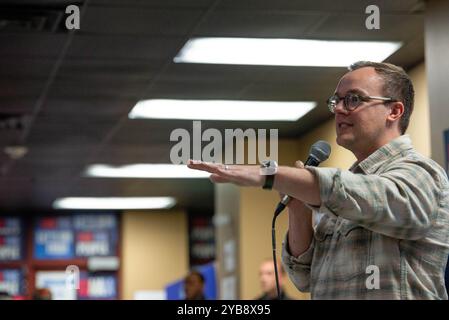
[268,168]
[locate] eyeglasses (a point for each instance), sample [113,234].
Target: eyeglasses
[352,100]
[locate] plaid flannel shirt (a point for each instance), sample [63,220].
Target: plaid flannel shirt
[390,211]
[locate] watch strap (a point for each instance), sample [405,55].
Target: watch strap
[269,181]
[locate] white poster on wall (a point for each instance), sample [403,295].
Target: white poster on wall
[228,288]
[56,282]
[150,295]
[229,255]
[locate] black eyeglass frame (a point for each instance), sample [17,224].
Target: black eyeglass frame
[333,101]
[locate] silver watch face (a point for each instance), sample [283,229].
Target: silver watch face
[268,167]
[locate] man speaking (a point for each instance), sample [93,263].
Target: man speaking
[388,215]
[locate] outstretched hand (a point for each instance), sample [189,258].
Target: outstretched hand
[241,175]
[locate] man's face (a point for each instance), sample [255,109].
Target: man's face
[362,128]
[193,286]
[267,277]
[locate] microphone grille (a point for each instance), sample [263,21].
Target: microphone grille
[321,150]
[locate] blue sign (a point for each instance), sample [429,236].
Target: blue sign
[53,244]
[76,236]
[10,239]
[10,281]
[97,286]
[96,235]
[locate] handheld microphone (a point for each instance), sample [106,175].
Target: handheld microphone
[318,153]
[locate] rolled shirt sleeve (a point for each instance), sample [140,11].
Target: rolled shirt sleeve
[298,268]
[401,202]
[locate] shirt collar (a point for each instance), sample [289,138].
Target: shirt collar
[384,153]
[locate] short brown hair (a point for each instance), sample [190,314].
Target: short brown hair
[397,85]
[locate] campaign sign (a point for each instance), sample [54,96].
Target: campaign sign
[95,222]
[54,239]
[10,239]
[9,226]
[82,235]
[89,243]
[101,286]
[10,281]
[96,235]
[10,248]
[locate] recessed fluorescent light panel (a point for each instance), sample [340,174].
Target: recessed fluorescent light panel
[283,52]
[163,171]
[111,203]
[225,110]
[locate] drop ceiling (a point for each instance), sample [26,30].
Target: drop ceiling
[72,91]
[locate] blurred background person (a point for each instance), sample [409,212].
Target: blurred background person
[268,281]
[42,294]
[194,286]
